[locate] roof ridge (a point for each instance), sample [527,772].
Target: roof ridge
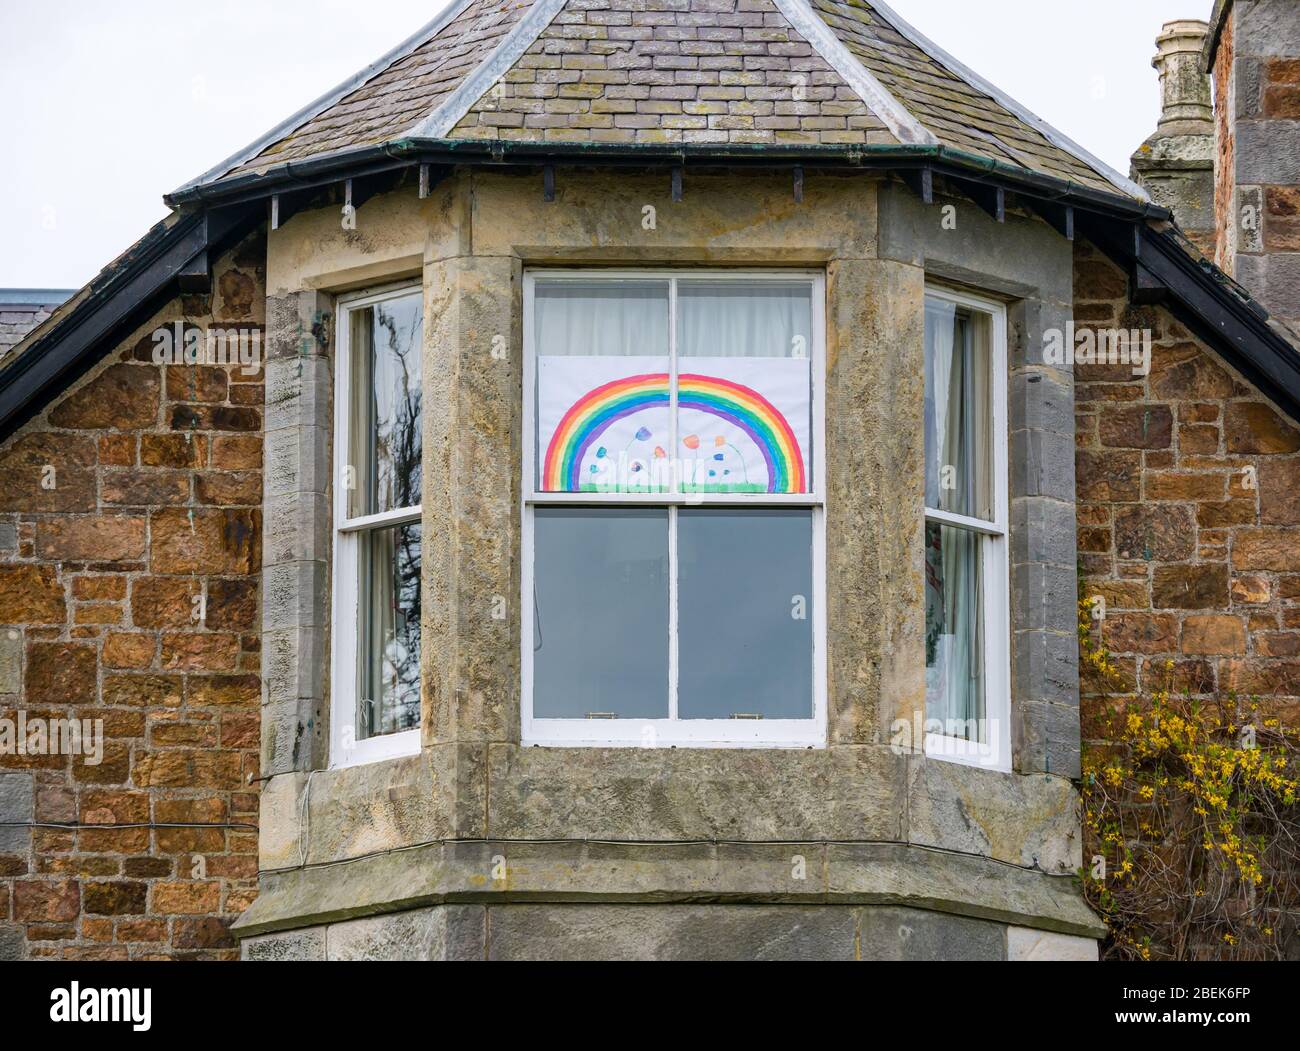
[877,98]
[963,72]
[448,113]
[315,108]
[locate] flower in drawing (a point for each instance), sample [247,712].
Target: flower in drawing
[691,441]
[643,435]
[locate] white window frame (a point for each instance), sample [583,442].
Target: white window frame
[672,732]
[995,753]
[345,749]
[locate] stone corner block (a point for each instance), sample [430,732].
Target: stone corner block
[298,946]
[1026,944]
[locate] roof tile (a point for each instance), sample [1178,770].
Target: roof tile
[689,71]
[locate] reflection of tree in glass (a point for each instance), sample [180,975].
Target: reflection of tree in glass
[403,670]
[396,412]
[397,375]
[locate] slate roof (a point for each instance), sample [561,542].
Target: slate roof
[25,309]
[405,90]
[784,72]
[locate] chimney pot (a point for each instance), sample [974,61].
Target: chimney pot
[1184,87]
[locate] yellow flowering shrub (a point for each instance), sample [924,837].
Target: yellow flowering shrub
[1191,824]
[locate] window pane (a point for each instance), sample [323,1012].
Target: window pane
[602,386]
[600,623]
[954,632]
[744,614]
[744,419]
[384,414]
[388,643]
[958,411]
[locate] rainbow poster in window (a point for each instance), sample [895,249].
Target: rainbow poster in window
[743,426]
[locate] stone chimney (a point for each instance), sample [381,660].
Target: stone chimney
[1253,55]
[1176,164]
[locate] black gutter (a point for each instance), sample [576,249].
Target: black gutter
[127,291]
[943,160]
[1163,269]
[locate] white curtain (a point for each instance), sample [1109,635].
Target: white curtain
[957,414]
[958,411]
[727,319]
[601,318]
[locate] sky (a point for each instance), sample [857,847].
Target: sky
[109,106]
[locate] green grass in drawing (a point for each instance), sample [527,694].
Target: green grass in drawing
[687,487]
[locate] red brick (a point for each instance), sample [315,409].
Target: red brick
[129,651]
[122,397]
[173,450]
[1253,427]
[91,539]
[222,542]
[46,901]
[186,898]
[31,595]
[164,602]
[99,588]
[60,673]
[199,652]
[237,452]
[1212,634]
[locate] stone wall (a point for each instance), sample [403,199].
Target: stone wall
[1257,77]
[672,827]
[130,533]
[669,932]
[1189,499]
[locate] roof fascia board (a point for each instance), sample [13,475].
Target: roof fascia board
[892,113]
[1055,137]
[41,366]
[1234,328]
[25,383]
[454,107]
[313,109]
[362,160]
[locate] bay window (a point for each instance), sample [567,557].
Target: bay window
[967,628]
[673,509]
[375,651]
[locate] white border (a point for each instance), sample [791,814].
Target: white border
[994,754]
[672,733]
[345,750]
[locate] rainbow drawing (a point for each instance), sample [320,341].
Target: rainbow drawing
[593,414]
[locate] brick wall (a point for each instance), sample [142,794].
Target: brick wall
[1198,560]
[129,557]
